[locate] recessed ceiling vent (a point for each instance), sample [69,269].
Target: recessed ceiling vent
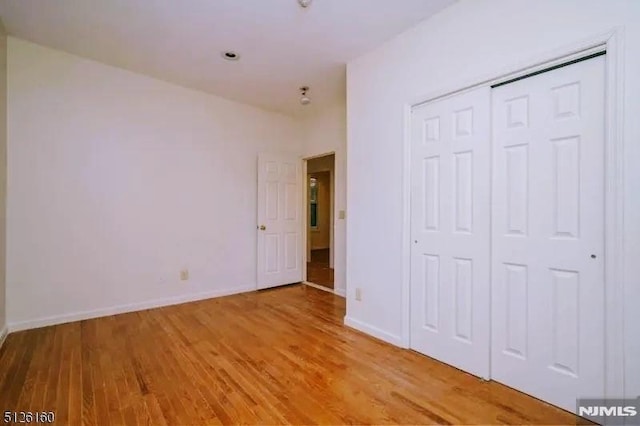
[230,56]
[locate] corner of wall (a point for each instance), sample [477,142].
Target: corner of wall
[3,180]
[4,332]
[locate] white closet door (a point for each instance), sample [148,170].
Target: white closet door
[548,231]
[450,184]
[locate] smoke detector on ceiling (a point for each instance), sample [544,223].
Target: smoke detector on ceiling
[304,99]
[304,3]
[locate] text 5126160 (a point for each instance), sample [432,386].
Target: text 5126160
[29,417]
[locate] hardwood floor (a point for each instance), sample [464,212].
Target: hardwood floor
[270,357]
[318,270]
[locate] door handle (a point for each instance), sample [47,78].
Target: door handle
[262,227]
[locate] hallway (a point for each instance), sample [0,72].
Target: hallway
[318,270]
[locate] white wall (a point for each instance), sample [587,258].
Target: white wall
[3,179]
[471,39]
[324,132]
[117,181]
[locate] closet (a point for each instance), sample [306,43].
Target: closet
[507,231]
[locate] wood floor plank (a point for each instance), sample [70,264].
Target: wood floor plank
[87,329]
[13,384]
[32,376]
[279,356]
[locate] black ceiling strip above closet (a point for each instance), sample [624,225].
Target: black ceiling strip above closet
[564,64]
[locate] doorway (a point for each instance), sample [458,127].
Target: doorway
[320,221]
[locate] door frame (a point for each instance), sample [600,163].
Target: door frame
[612,43]
[306,219]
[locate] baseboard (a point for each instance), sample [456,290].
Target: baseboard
[373,331]
[340,292]
[121,309]
[4,332]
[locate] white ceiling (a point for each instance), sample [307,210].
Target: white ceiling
[282,45]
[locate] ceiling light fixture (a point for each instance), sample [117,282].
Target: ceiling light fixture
[230,56]
[304,3]
[304,99]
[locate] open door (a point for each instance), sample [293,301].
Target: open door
[279,220]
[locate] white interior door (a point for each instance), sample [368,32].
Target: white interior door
[548,233]
[279,220]
[450,183]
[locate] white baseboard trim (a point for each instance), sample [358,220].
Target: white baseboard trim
[4,332]
[373,331]
[121,309]
[340,292]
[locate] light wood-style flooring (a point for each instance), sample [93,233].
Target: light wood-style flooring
[269,357]
[318,269]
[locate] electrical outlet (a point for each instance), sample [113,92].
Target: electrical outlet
[358,294]
[341,214]
[184,275]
